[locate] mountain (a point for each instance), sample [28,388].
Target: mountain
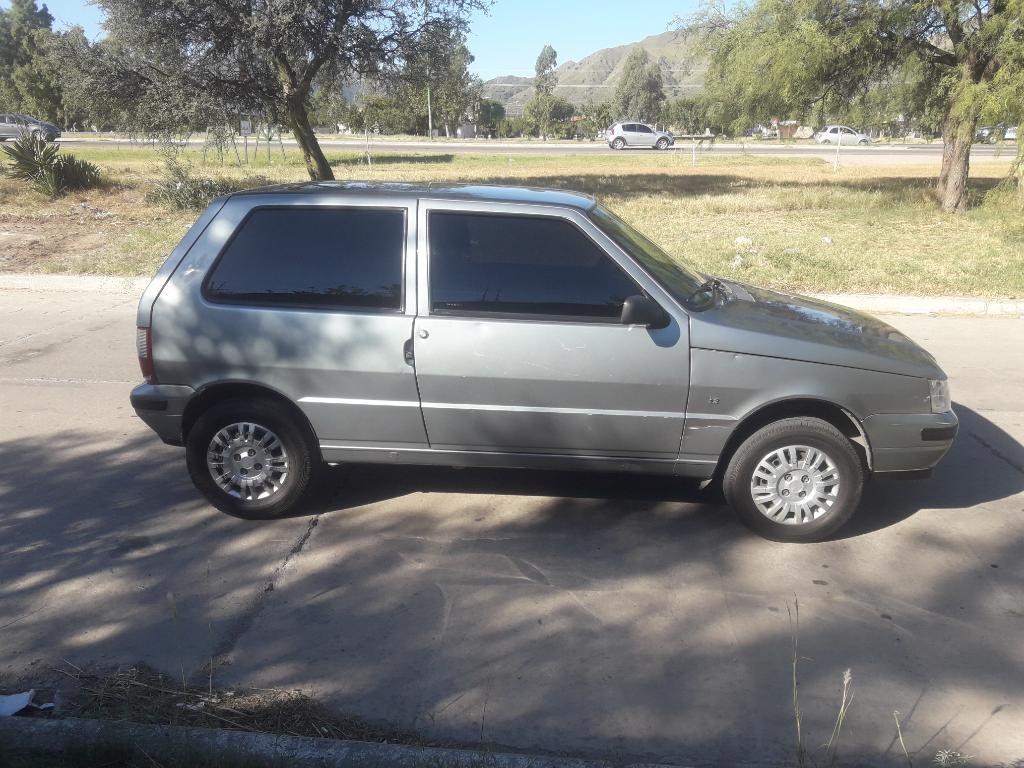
[593,78]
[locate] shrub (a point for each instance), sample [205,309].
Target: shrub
[180,188]
[49,171]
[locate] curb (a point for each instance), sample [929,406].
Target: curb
[42,282]
[56,736]
[878,303]
[926,305]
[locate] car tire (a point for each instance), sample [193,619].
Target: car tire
[619,143]
[863,141]
[297,486]
[662,144]
[789,442]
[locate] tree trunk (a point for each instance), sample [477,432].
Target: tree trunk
[316,164]
[957,137]
[1019,163]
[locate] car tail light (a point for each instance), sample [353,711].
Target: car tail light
[144,345]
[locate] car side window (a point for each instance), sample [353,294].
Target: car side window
[644,129]
[345,258]
[522,265]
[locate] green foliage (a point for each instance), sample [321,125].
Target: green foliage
[489,114]
[29,75]
[640,91]
[545,78]
[550,115]
[804,58]
[50,172]
[182,189]
[688,116]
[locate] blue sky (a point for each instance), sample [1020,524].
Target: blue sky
[506,40]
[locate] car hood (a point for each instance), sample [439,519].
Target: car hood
[758,321]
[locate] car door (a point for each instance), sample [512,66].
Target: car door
[645,136]
[8,130]
[518,345]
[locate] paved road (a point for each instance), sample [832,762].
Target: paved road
[591,614]
[879,154]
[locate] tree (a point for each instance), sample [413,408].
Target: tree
[540,107]
[29,80]
[689,115]
[796,57]
[640,91]
[545,78]
[1005,98]
[441,64]
[489,114]
[259,56]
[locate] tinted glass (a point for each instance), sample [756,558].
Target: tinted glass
[644,129]
[322,257]
[521,265]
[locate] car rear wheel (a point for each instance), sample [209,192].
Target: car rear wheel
[619,143]
[662,143]
[795,480]
[250,458]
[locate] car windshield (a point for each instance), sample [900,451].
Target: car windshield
[679,281]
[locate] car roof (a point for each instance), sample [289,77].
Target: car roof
[435,191]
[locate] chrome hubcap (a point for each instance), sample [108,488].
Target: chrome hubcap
[247,461]
[796,484]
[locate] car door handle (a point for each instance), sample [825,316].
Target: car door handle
[407,351]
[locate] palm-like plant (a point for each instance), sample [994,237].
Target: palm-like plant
[31,159]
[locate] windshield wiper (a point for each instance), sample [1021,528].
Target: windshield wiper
[712,285]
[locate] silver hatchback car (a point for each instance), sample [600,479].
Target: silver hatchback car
[623,135]
[324,323]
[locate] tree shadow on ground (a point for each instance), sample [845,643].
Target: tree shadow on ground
[594,614]
[633,185]
[409,159]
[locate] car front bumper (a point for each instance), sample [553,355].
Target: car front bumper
[909,442]
[162,406]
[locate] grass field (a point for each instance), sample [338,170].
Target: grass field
[788,223]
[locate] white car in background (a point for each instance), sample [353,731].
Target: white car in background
[840,134]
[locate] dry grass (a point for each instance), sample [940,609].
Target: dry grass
[141,695]
[788,223]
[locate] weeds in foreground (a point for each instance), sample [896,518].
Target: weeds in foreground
[180,188]
[944,758]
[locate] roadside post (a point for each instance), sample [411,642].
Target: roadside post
[245,128]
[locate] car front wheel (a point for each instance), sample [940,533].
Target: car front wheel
[662,144]
[250,458]
[795,480]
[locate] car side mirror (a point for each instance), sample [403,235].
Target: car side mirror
[643,310]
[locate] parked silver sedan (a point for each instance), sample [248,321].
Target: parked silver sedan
[325,323]
[623,135]
[13,125]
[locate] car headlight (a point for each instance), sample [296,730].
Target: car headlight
[939,390]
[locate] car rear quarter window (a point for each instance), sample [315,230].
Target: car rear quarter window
[349,258]
[522,265]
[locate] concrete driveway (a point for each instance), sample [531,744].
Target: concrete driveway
[600,615]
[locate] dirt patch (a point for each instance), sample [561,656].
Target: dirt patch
[26,243]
